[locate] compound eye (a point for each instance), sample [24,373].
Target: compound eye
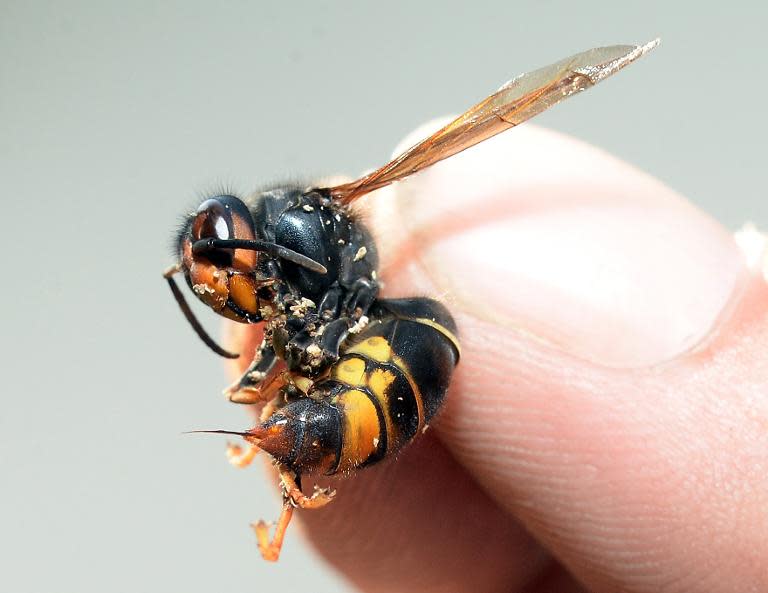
[225,218]
[215,221]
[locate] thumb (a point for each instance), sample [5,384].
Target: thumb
[541,233]
[613,393]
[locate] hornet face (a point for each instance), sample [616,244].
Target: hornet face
[228,266]
[221,273]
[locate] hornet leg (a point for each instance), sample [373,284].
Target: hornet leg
[292,490]
[292,497]
[248,389]
[270,550]
[314,352]
[239,457]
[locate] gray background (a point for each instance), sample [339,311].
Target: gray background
[115,116]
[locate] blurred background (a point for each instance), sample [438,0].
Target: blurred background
[116,117]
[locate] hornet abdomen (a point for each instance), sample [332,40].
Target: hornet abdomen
[388,383]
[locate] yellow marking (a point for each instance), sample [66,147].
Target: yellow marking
[243,292]
[350,371]
[442,329]
[375,348]
[379,382]
[378,349]
[361,428]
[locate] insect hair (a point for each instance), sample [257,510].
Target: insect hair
[184,220]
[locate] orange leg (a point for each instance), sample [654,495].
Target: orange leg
[319,498]
[240,458]
[270,550]
[292,497]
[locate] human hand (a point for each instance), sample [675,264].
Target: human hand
[607,426]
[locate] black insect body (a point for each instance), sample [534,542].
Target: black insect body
[345,377]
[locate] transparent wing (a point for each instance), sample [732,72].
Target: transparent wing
[517,101]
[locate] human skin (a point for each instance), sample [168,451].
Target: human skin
[607,426]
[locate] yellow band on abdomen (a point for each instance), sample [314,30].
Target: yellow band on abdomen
[361,428]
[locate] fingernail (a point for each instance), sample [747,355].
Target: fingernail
[538,232]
